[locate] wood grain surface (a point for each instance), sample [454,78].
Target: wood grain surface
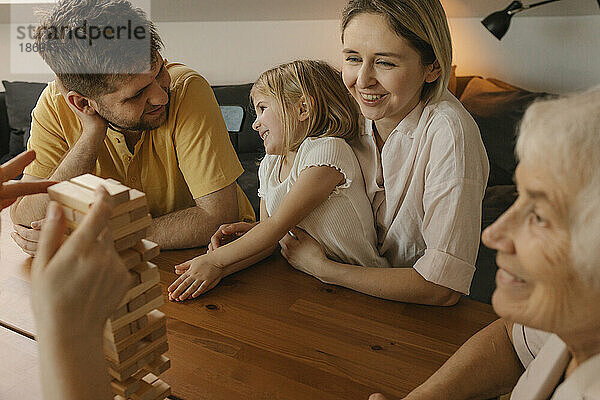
[271,332]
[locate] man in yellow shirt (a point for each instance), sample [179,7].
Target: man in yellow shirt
[155,126]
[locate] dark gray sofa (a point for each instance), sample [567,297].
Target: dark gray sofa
[496,107]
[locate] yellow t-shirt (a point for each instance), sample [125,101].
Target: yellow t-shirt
[188,157]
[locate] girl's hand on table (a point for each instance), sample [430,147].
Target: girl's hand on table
[303,252]
[198,276]
[228,233]
[78,283]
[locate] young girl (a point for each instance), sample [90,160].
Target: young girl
[309,178]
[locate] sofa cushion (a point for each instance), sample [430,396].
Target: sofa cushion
[21,98]
[497,107]
[4,127]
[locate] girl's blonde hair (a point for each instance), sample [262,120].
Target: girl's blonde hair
[332,112]
[423,24]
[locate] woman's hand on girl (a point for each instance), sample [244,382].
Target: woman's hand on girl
[303,252]
[228,233]
[197,276]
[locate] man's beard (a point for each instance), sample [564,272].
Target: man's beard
[141,125]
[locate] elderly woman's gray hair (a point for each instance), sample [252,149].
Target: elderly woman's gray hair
[562,135]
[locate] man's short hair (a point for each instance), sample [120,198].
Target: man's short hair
[93,45]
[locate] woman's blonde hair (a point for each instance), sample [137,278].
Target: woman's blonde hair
[423,24]
[562,136]
[332,112]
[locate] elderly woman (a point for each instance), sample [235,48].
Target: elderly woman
[548,281]
[424,165]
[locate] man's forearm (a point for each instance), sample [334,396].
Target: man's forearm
[192,227]
[80,159]
[399,284]
[484,367]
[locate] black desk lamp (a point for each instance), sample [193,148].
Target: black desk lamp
[498,22]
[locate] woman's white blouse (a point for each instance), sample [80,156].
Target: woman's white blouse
[545,358]
[343,224]
[426,189]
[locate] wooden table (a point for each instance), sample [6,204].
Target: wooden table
[271,332]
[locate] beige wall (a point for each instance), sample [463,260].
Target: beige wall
[555,54]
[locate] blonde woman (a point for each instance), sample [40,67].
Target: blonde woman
[547,343]
[309,178]
[421,154]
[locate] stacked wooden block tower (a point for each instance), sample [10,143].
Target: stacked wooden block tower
[135,337]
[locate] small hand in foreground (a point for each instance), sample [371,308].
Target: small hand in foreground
[303,252]
[228,233]
[197,276]
[78,283]
[11,190]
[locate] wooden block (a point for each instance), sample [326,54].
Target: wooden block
[161,390]
[153,293]
[139,289]
[114,223]
[134,304]
[132,316]
[124,373]
[118,193]
[130,258]
[138,213]
[162,331]
[72,196]
[156,320]
[117,335]
[150,378]
[137,199]
[132,227]
[130,240]
[145,392]
[144,361]
[146,271]
[147,249]
[157,389]
[68,213]
[144,349]
[141,323]
[119,312]
[159,365]
[126,388]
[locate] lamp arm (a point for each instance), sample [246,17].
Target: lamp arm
[528,6]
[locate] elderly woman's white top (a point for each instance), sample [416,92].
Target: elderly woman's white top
[343,224]
[426,189]
[546,358]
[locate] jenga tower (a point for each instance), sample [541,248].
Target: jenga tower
[135,337]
